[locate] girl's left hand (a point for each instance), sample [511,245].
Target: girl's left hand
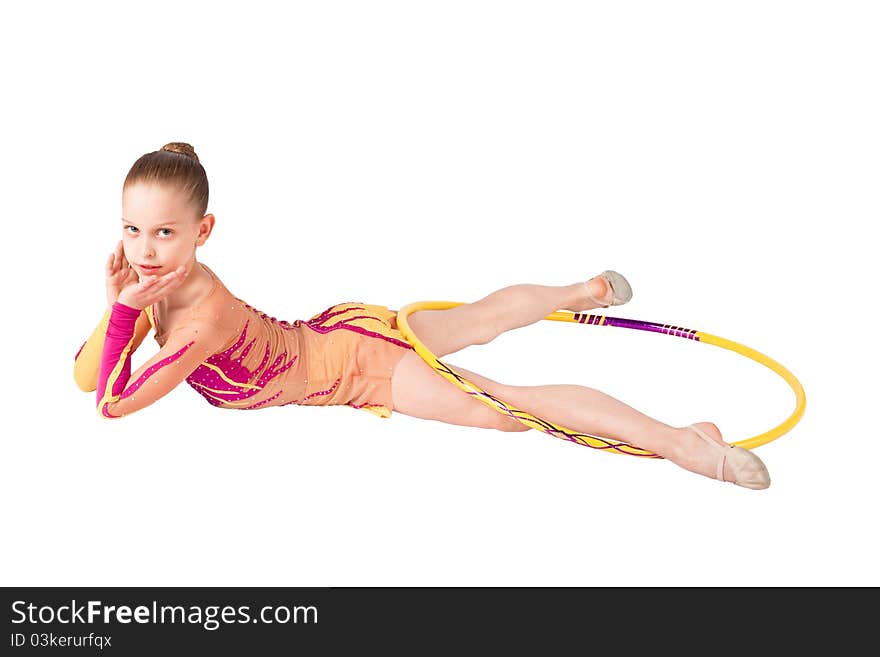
[152,289]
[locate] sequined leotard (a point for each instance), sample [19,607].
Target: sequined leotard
[236,356]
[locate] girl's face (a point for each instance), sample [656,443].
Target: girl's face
[159,229]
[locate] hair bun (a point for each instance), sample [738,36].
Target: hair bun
[182,148]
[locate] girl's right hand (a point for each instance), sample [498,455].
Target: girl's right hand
[119,274]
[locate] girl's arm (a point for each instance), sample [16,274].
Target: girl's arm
[187,346]
[88,358]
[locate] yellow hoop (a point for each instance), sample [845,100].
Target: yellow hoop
[588,440]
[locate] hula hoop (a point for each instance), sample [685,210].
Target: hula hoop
[588,440]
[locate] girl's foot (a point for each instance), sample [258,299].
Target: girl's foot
[696,454]
[599,288]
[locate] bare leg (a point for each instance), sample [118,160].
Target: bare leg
[446,331]
[519,305]
[593,412]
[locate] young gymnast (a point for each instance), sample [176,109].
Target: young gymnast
[239,357]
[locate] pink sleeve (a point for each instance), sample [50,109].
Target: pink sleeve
[115,368]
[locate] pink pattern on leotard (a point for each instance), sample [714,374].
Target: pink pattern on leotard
[318,322]
[237,382]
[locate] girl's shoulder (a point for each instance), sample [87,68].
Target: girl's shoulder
[225,311]
[216,308]
[218,305]
[211,272]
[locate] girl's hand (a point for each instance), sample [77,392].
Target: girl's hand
[152,289]
[119,274]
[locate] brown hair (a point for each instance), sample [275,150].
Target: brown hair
[176,165]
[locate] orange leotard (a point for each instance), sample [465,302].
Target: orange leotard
[236,356]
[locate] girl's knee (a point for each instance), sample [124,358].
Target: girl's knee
[487,417]
[507,423]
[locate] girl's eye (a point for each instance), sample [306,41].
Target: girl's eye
[134,228]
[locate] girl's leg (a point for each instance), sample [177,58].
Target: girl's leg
[520,305]
[593,412]
[419,391]
[447,331]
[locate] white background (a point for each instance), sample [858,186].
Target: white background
[722,156]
